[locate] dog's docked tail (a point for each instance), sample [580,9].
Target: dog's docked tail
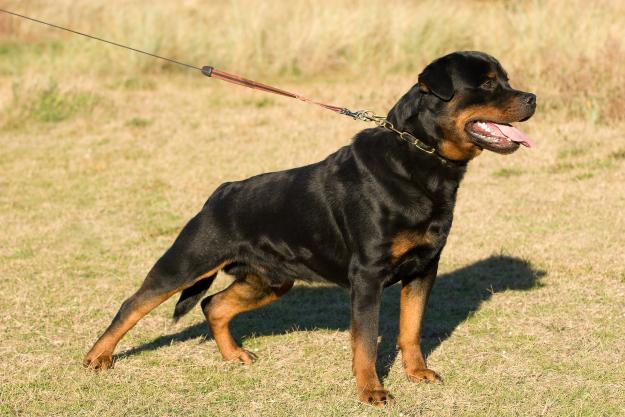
[191,296]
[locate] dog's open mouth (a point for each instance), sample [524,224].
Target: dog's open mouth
[497,137]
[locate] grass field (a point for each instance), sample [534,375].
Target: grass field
[104,155]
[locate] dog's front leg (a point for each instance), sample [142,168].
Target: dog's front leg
[414,297]
[365,297]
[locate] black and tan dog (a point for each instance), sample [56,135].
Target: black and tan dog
[372,214]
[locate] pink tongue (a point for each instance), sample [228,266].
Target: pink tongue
[513,134]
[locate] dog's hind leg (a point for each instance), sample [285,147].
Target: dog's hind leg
[242,295]
[154,290]
[183,265]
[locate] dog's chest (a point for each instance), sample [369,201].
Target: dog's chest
[429,238]
[411,249]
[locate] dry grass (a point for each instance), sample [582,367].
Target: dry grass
[556,47]
[103,156]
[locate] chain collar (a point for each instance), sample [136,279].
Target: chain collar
[368,116]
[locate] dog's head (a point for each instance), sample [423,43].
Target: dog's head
[462,104]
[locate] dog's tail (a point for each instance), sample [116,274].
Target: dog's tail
[191,296]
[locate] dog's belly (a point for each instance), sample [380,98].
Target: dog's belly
[316,272]
[277,261]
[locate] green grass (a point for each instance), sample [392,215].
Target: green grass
[137,84]
[594,164]
[571,153]
[101,167]
[16,56]
[46,104]
[138,122]
[584,176]
[51,106]
[23,253]
[508,172]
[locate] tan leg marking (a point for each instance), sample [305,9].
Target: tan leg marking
[241,296]
[368,385]
[101,354]
[413,301]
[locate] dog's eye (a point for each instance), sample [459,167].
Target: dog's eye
[489,84]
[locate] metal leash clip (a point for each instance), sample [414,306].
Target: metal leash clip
[364,115]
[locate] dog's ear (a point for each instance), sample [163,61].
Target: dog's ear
[435,79]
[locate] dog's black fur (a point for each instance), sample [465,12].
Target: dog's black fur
[374,213]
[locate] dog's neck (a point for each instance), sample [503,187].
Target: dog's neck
[389,158]
[412,116]
[413,121]
[435,174]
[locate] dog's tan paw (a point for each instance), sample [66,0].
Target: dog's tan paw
[243,356]
[378,397]
[424,375]
[101,362]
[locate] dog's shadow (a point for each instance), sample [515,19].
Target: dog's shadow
[455,296]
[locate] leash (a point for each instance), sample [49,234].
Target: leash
[364,115]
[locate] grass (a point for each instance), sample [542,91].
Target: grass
[100,169]
[508,172]
[619,154]
[307,39]
[138,122]
[46,104]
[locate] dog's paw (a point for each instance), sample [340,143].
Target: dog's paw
[378,397]
[242,356]
[101,362]
[425,375]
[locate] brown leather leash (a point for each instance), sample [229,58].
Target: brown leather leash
[212,72]
[237,79]
[363,115]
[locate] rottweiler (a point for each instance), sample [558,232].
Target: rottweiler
[372,214]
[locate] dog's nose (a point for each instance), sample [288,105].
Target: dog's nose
[530,99]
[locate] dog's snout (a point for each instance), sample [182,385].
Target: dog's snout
[530,99]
